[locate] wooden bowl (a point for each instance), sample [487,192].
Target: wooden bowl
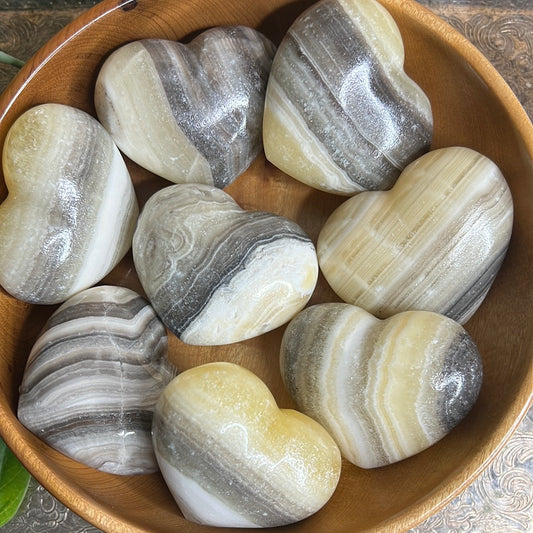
[472,106]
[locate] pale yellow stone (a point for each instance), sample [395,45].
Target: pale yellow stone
[341,114]
[425,243]
[278,458]
[71,209]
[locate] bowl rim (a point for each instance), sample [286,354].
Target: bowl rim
[108,520]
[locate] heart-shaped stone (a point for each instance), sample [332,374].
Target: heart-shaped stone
[341,115]
[71,209]
[435,241]
[384,389]
[232,458]
[93,378]
[217,274]
[188,112]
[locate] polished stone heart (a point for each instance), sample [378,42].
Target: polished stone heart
[71,209]
[435,241]
[188,112]
[93,378]
[232,458]
[385,390]
[217,274]
[341,115]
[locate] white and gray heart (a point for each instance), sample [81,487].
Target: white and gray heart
[71,209]
[217,274]
[341,114]
[93,378]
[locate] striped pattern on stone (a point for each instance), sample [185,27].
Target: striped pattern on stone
[217,274]
[232,458]
[93,378]
[385,390]
[191,113]
[435,241]
[341,115]
[71,209]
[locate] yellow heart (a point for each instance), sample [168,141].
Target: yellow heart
[232,458]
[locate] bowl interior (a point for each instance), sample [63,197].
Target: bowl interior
[472,107]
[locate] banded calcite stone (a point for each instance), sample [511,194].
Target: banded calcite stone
[188,112]
[232,458]
[217,274]
[384,389]
[341,115]
[434,242]
[93,378]
[71,209]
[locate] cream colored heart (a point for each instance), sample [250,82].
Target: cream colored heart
[189,112]
[435,241]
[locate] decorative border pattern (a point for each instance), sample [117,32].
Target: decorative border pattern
[23,33]
[501,499]
[23,5]
[507,42]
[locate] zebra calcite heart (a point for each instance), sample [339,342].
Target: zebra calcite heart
[232,458]
[218,274]
[93,378]
[384,389]
[435,241]
[341,115]
[71,209]
[188,112]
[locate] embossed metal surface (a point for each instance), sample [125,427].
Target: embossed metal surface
[501,499]
[503,31]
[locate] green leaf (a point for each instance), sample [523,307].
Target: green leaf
[10,60]
[14,480]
